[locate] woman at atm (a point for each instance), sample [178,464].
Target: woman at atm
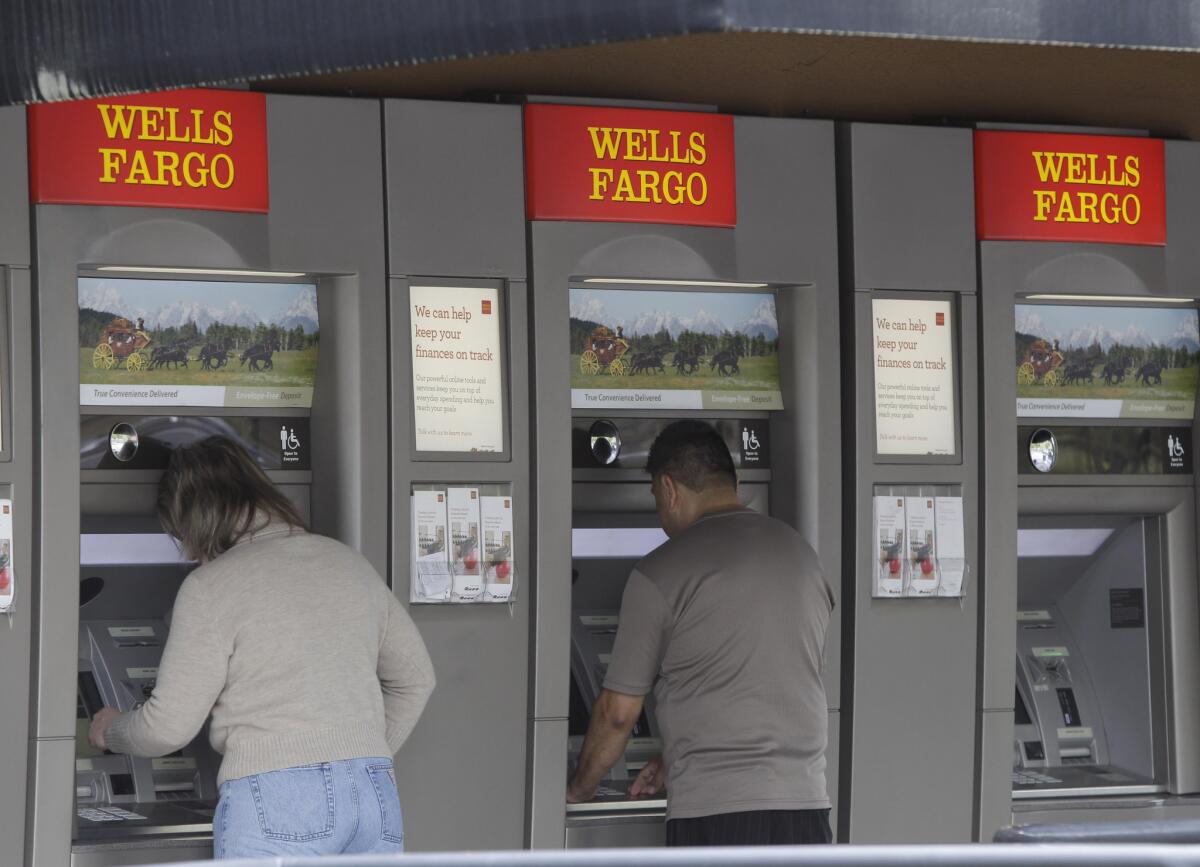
[314,674]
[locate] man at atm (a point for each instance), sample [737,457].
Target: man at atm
[726,623]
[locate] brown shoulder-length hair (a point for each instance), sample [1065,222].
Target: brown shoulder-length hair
[213,493]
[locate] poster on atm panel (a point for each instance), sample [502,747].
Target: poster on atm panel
[674,349]
[146,342]
[1106,362]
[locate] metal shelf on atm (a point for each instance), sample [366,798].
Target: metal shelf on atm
[598,474]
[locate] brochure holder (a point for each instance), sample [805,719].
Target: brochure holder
[462,544]
[918,542]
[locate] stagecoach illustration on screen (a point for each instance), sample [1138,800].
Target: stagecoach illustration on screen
[1041,364]
[122,342]
[605,349]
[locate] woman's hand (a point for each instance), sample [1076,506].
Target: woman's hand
[100,723]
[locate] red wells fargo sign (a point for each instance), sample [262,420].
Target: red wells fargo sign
[1049,187]
[629,165]
[176,149]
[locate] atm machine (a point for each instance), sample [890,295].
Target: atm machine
[760,220]
[106,575]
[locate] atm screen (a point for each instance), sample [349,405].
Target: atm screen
[1022,713]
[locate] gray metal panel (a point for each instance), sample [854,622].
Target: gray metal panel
[911,775]
[327,218]
[833,766]
[913,212]
[995,775]
[1183,653]
[480,652]
[51,801]
[134,852]
[14,188]
[16,638]
[1106,810]
[787,226]
[547,782]
[455,189]
[1183,217]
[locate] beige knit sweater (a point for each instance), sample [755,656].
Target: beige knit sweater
[298,649]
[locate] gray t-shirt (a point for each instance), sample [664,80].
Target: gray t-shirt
[726,622]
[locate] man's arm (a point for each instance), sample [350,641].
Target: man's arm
[613,718]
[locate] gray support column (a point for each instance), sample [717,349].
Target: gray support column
[910,734]
[16,478]
[455,209]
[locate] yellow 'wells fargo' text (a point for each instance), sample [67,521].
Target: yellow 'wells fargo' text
[649,185]
[191,168]
[1086,206]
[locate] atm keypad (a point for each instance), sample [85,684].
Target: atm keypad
[1033,778]
[107,814]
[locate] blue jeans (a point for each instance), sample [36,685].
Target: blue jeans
[349,806]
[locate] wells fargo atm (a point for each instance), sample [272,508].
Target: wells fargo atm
[1087,262]
[683,266]
[180,295]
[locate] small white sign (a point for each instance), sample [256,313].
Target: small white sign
[457,375]
[141,673]
[1075,732]
[175,763]
[912,353]
[643,398]
[131,631]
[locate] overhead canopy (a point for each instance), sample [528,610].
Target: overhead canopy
[1096,62]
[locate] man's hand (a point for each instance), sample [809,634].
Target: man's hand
[579,794]
[651,780]
[100,723]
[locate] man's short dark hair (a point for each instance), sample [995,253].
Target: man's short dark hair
[693,454]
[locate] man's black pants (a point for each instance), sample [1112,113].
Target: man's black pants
[758,828]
